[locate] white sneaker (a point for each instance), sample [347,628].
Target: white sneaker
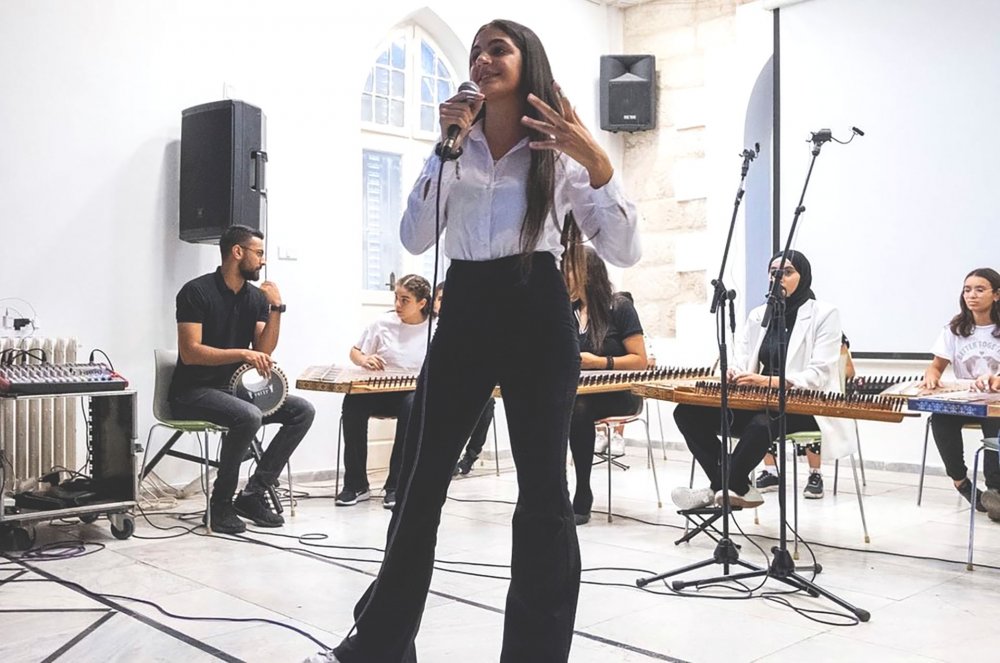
[322,657]
[617,444]
[600,442]
[692,498]
[752,498]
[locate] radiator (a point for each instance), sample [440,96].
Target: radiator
[38,434]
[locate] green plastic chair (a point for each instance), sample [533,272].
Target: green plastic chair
[166,362]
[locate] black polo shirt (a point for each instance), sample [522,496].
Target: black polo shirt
[228,320]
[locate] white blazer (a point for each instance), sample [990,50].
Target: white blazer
[813,363]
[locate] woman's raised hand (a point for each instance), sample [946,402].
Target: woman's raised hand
[567,134]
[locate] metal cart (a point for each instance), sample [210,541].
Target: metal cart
[111,435]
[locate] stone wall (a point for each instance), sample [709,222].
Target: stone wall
[665,168]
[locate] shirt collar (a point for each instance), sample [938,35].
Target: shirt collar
[220,283]
[476,134]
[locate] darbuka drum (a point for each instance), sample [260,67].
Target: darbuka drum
[266,393]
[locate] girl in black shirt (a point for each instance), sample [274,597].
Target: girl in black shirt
[610,338]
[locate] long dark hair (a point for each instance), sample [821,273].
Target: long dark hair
[594,286]
[964,323]
[536,78]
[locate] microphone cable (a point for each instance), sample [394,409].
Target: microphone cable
[422,381]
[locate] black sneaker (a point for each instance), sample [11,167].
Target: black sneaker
[350,497]
[389,500]
[464,465]
[965,490]
[254,506]
[814,487]
[767,482]
[225,520]
[581,518]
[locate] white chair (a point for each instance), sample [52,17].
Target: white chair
[989,444]
[811,437]
[607,456]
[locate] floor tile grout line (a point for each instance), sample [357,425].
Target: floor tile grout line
[76,639]
[149,621]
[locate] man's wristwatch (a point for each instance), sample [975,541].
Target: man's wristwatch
[278,309]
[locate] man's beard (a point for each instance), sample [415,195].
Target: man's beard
[250,274]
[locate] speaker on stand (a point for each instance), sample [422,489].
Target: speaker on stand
[223,169]
[628,92]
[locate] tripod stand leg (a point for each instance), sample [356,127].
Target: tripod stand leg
[642,582]
[798,582]
[754,572]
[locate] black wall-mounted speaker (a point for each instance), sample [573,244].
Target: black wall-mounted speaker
[628,92]
[222,169]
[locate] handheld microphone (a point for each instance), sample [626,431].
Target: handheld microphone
[858,131]
[448,146]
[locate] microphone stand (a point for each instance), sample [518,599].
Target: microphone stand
[726,553]
[782,567]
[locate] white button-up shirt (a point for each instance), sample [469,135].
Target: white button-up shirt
[483,205]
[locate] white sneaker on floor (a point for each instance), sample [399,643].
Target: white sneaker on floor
[617,444]
[322,657]
[600,442]
[692,498]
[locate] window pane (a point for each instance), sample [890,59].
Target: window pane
[366,108]
[399,54]
[396,113]
[397,84]
[381,198]
[369,82]
[427,90]
[383,57]
[427,118]
[381,110]
[381,81]
[426,58]
[444,90]
[442,71]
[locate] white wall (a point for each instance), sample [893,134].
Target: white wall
[92,92]
[895,220]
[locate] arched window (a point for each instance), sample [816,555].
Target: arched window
[408,79]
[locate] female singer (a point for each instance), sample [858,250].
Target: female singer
[971,344]
[610,338]
[813,362]
[527,163]
[396,341]
[478,438]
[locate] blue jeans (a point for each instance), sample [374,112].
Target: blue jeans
[243,420]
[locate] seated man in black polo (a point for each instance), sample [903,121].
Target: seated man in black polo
[219,316]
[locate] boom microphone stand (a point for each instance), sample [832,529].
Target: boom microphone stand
[726,552]
[782,567]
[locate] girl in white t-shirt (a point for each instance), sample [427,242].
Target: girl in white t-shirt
[396,341]
[971,344]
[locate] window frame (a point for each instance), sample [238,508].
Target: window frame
[410,142]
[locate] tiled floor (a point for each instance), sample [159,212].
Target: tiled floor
[922,609]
